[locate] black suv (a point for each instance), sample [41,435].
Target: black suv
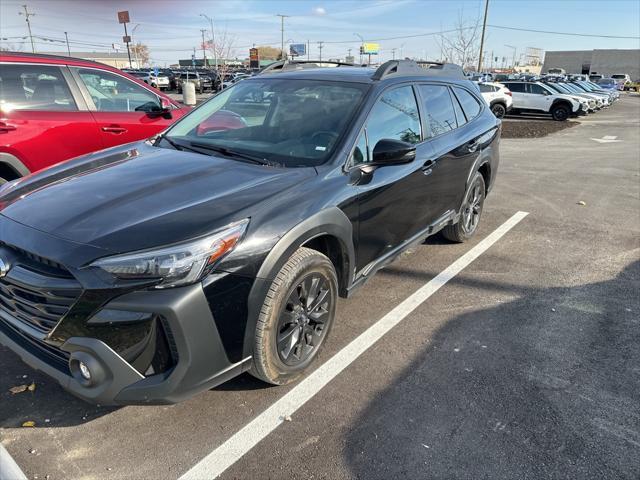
[151,271]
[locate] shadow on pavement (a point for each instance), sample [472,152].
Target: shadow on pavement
[545,386]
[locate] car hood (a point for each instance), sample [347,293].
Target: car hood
[138,196]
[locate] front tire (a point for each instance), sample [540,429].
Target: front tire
[470,212]
[295,318]
[560,113]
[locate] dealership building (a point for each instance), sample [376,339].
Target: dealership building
[605,62]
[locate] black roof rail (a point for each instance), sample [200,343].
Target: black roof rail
[288,65]
[411,67]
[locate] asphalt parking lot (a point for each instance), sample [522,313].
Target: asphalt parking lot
[524,365]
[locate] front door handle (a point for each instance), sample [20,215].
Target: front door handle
[5,127]
[115,129]
[427,167]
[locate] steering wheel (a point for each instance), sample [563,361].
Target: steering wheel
[330,137]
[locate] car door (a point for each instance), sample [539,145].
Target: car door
[453,142]
[518,94]
[43,117]
[539,97]
[124,110]
[393,200]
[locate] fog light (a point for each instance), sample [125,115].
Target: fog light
[84,371]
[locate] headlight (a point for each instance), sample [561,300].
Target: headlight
[178,264]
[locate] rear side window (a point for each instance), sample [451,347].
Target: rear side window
[486,88]
[515,87]
[439,109]
[34,87]
[537,89]
[468,102]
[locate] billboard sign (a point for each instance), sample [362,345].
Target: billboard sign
[298,49]
[123,17]
[370,48]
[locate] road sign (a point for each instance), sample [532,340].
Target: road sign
[156,71]
[115,46]
[370,48]
[298,49]
[126,39]
[123,17]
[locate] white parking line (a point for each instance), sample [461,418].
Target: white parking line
[245,439]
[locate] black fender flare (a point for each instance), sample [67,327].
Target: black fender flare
[331,221]
[14,163]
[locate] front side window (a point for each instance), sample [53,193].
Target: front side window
[295,123]
[113,93]
[439,109]
[34,87]
[394,116]
[468,102]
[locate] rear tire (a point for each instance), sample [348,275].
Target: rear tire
[499,110]
[470,212]
[296,318]
[560,113]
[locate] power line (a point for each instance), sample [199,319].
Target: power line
[28,14]
[562,33]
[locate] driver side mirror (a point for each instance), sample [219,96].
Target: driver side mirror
[163,110]
[393,152]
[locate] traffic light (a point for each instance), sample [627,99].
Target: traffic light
[361,50]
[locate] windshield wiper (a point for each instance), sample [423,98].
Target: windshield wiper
[176,145]
[234,153]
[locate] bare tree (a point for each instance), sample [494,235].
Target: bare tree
[223,50]
[140,52]
[462,45]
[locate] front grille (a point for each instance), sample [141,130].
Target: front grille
[34,295]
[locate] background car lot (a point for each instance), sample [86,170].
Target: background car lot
[523,366]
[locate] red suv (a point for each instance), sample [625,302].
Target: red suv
[55,108]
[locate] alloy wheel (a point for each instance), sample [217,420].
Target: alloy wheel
[473,208]
[303,323]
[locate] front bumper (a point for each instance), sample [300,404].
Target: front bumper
[200,364]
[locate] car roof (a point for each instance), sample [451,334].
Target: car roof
[53,59]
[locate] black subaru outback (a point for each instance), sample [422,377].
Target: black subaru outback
[151,271]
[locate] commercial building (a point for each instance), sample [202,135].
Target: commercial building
[118,60]
[605,62]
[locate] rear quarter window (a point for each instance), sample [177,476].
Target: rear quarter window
[470,105]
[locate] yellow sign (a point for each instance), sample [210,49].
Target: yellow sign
[370,48]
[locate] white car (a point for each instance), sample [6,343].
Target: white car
[538,98]
[156,81]
[497,96]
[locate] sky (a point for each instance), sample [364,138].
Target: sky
[171,28]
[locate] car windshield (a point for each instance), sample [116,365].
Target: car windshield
[569,88]
[606,81]
[294,123]
[619,77]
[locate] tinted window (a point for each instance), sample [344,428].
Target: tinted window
[394,116]
[439,109]
[113,93]
[360,154]
[469,103]
[34,87]
[486,88]
[515,87]
[460,117]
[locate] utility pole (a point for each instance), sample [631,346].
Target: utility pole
[320,46]
[213,40]
[28,14]
[135,49]
[513,61]
[484,27]
[393,53]
[308,51]
[361,45]
[282,17]
[67,37]
[204,49]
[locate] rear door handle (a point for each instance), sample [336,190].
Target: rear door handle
[114,129]
[5,127]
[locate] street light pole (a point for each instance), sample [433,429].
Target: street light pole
[513,61]
[320,46]
[282,17]
[484,27]
[135,49]
[213,40]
